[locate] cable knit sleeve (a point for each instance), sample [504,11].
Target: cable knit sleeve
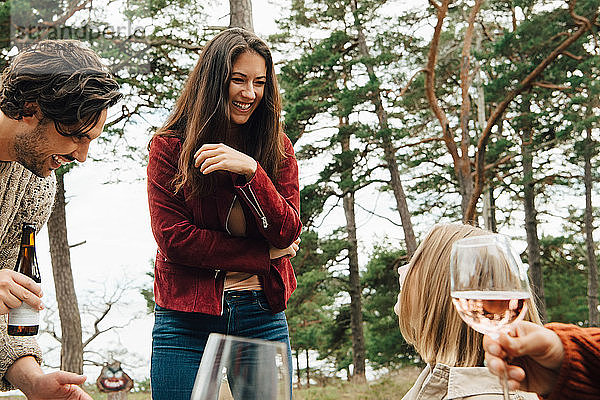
[32,199]
[580,369]
[11,349]
[25,198]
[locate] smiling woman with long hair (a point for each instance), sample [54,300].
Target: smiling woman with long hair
[224,207]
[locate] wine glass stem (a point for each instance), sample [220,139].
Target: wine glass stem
[504,382]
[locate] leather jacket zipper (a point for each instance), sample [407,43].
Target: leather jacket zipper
[227,226]
[222,302]
[228,231]
[229,214]
[255,204]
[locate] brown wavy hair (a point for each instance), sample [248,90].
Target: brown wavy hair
[65,81]
[201,114]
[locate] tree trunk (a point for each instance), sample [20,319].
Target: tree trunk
[489,207]
[461,161]
[71,354]
[307,370]
[299,383]
[533,244]
[592,290]
[356,318]
[388,148]
[465,188]
[240,14]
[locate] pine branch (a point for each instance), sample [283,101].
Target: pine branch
[378,215]
[430,81]
[547,85]
[584,26]
[405,88]
[465,80]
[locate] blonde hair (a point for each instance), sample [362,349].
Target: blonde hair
[427,317]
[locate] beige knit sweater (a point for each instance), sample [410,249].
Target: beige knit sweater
[23,198]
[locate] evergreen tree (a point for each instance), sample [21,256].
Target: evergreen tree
[515,75]
[313,301]
[386,348]
[565,278]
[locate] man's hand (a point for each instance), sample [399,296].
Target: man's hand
[58,385]
[220,157]
[537,352]
[16,288]
[290,251]
[26,375]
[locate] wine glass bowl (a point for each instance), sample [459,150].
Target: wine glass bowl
[488,285]
[242,369]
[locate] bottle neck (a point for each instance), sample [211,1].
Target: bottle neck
[27,261]
[28,236]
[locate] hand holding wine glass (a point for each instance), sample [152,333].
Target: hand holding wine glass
[489,285]
[536,355]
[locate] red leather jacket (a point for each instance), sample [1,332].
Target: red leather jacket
[194,249]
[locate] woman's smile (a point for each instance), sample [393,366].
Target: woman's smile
[242,106]
[246,86]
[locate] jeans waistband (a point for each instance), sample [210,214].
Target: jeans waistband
[243,294]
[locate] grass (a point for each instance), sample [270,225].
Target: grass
[96,395]
[390,387]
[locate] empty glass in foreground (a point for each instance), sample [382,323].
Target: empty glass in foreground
[242,369]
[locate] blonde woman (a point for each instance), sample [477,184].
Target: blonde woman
[452,350]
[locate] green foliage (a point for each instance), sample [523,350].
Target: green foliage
[148,291]
[565,279]
[327,84]
[311,310]
[310,306]
[386,348]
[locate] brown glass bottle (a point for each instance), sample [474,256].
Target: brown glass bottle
[24,320]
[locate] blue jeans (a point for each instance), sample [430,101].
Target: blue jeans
[179,338]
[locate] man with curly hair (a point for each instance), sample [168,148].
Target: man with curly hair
[54,97]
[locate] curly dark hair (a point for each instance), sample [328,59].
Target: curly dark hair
[65,81]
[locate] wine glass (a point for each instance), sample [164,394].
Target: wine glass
[242,369]
[488,285]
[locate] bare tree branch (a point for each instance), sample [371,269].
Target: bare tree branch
[378,215]
[97,330]
[77,244]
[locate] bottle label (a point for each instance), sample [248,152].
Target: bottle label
[24,315]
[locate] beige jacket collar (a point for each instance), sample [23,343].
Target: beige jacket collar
[454,383]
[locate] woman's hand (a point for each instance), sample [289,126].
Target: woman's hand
[220,157]
[290,251]
[537,352]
